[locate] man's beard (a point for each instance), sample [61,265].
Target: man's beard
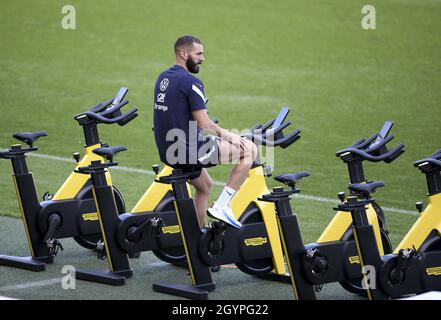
[191,65]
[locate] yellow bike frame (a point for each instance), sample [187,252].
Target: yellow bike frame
[155,193]
[253,188]
[342,222]
[429,219]
[75,182]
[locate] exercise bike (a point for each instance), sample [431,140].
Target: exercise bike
[159,231]
[333,257]
[415,265]
[70,212]
[222,244]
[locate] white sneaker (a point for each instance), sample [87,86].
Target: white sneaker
[225,214]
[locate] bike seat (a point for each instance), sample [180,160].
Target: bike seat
[181,174]
[29,137]
[109,152]
[291,179]
[365,188]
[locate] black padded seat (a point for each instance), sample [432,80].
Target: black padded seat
[291,179]
[109,152]
[29,137]
[365,188]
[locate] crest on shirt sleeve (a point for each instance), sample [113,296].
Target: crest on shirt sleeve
[164,84]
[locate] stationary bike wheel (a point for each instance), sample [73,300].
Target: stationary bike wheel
[90,241]
[174,255]
[259,266]
[355,285]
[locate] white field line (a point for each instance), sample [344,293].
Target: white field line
[7,298]
[28,285]
[49,282]
[221,184]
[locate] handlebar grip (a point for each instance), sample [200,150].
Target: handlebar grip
[396,152]
[264,127]
[97,107]
[101,106]
[129,118]
[290,139]
[285,141]
[273,132]
[380,148]
[114,108]
[366,142]
[123,116]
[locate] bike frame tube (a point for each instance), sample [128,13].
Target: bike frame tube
[342,222]
[75,182]
[155,193]
[428,220]
[253,188]
[23,216]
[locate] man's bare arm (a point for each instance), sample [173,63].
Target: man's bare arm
[205,123]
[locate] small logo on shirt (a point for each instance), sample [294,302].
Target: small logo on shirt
[160,97]
[164,84]
[161,107]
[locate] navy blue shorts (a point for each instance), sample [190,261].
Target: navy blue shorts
[207,156]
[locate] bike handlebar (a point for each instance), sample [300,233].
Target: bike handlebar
[271,133]
[123,117]
[114,108]
[374,148]
[109,112]
[101,106]
[282,142]
[434,159]
[389,156]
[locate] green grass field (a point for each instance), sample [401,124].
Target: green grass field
[342,83]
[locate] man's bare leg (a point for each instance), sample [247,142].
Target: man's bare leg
[203,185]
[244,152]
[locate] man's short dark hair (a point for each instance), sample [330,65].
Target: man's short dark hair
[186,41]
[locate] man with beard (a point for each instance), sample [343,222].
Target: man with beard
[187,139]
